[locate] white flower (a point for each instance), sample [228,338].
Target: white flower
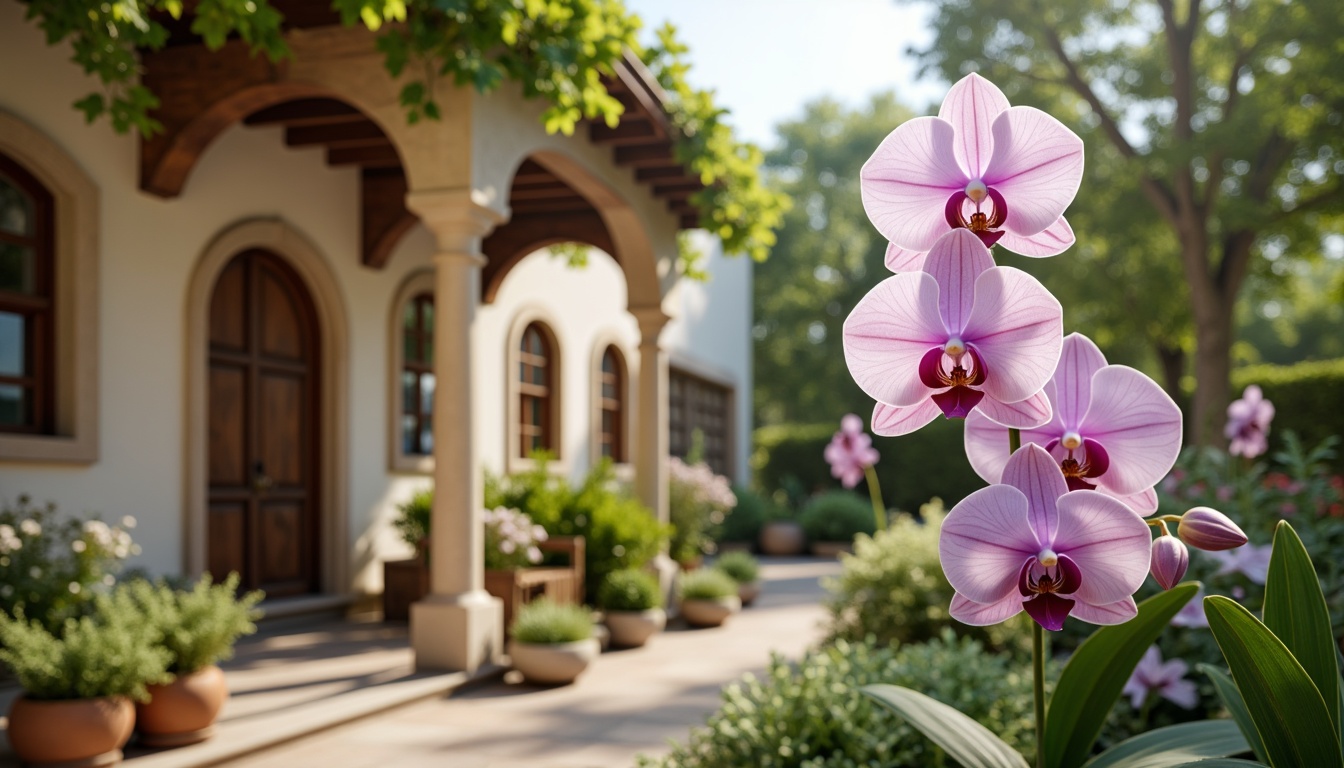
[78,545]
[533,555]
[507,546]
[31,527]
[128,522]
[74,587]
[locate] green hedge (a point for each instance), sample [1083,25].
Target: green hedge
[1306,396]
[912,470]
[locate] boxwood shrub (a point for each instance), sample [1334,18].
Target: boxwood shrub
[837,516]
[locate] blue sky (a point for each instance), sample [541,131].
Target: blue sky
[767,58]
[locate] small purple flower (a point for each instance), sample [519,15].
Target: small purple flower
[1248,423]
[1031,544]
[1170,560]
[850,451]
[1191,614]
[1166,679]
[1251,561]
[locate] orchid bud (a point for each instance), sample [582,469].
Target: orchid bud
[1170,559]
[1209,530]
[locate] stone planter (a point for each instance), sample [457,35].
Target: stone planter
[734,546]
[183,711]
[709,613]
[748,592]
[832,549]
[782,537]
[632,629]
[556,664]
[77,733]
[404,582]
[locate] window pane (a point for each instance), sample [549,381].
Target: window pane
[16,268]
[426,439]
[16,209]
[408,425]
[13,405]
[408,350]
[609,390]
[12,344]
[408,317]
[608,422]
[539,376]
[408,397]
[426,396]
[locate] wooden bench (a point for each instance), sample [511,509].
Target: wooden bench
[517,587]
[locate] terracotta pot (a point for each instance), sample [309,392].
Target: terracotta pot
[553,664]
[748,592]
[709,613]
[632,629]
[832,549]
[782,537]
[76,733]
[182,712]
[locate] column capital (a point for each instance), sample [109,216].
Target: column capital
[651,323]
[457,220]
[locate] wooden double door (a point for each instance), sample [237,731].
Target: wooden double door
[265,430]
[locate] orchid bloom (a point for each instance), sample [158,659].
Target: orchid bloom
[1251,561]
[960,335]
[1113,429]
[1167,679]
[1248,423]
[1006,173]
[1031,544]
[850,451]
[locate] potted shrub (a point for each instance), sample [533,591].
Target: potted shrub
[407,581]
[698,501]
[782,535]
[552,644]
[745,571]
[78,685]
[708,597]
[741,527]
[832,520]
[199,629]
[634,607]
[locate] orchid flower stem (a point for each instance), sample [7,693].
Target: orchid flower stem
[1157,522]
[1038,688]
[875,493]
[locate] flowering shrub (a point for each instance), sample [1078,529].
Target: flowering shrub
[699,500]
[51,566]
[511,539]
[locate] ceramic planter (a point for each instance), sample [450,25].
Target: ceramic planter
[555,664]
[709,613]
[832,549]
[632,629]
[182,712]
[748,592]
[76,733]
[782,537]
[404,582]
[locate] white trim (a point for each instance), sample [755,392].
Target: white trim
[513,463]
[397,461]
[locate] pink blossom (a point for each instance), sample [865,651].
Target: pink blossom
[1251,561]
[960,335]
[1031,544]
[1191,614]
[1248,423]
[1166,679]
[1006,173]
[1112,429]
[850,451]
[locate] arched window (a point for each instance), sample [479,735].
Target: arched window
[27,311]
[536,387]
[611,402]
[417,376]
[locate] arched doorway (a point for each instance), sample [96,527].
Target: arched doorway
[264,425]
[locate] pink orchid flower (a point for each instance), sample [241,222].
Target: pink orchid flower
[960,335]
[1006,173]
[1248,423]
[1251,561]
[1031,545]
[850,451]
[1112,428]
[1167,679]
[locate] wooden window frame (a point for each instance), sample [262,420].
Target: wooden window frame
[423,334]
[544,432]
[619,379]
[680,414]
[417,284]
[37,308]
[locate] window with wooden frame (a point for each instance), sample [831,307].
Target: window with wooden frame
[700,409]
[536,392]
[611,406]
[417,376]
[27,308]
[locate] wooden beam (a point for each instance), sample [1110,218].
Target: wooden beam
[538,182]
[665,174]
[306,112]
[631,130]
[664,190]
[561,192]
[525,232]
[689,221]
[643,155]
[361,134]
[371,156]
[383,215]
[572,205]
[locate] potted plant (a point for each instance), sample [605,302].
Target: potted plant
[78,685]
[708,597]
[407,581]
[552,644]
[698,501]
[745,571]
[782,535]
[199,629]
[831,521]
[634,607]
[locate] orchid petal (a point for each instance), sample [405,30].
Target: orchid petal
[1052,241]
[1037,166]
[971,106]
[1049,610]
[984,614]
[1182,693]
[1034,472]
[1032,413]
[908,179]
[1079,360]
[1018,327]
[1144,502]
[987,444]
[1112,613]
[891,421]
[887,334]
[1139,425]
[955,261]
[1108,541]
[958,402]
[902,260]
[984,542]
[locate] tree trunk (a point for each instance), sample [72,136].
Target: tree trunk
[1213,367]
[1171,357]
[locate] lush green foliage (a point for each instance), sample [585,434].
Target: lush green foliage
[743,524]
[837,516]
[698,501]
[1308,397]
[707,584]
[811,714]
[741,567]
[629,590]
[114,651]
[51,566]
[198,626]
[413,522]
[544,622]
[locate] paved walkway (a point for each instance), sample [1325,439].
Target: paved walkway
[628,703]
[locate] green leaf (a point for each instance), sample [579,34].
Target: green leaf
[1236,706]
[1097,672]
[1174,745]
[963,739]
[1296,613]
[1285,705]
[1221,762]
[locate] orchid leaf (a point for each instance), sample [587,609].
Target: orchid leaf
[1174,745]
[1236,706]
[1096,673]
[1221,762]
[1296,613]
[1284,703]
[963,739]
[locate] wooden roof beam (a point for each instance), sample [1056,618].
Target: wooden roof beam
[362,134]
[370,156]
[306,112]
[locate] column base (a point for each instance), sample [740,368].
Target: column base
[457,632]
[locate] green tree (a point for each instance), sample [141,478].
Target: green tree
[1225,117]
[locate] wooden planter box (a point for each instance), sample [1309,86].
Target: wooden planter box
[404,582]
[517,587]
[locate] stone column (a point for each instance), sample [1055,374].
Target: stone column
[651,427]
[459,626]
